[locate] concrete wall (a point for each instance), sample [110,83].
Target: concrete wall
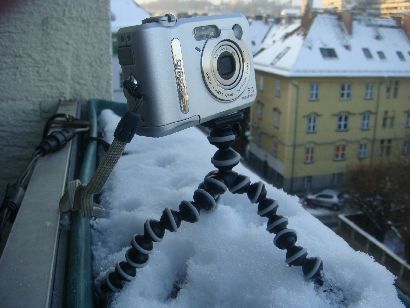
[50,50]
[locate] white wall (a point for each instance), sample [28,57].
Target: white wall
[50,50]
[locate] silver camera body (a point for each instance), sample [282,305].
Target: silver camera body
[189,71]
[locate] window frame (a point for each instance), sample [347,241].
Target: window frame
[340,152]
[382,55]
[261,83]
[363,150]
[311,123]
[385,147]
[259,110]
[400,55]
[367,53]
[275,148]
[345,92]
[307,182]
[314,91]
[366,121]
[278,85]
[406,147]
[342,122]
[309,157]
[368,91]
[276,118]
[328,53]
[396,84]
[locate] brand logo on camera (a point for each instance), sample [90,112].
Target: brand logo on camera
[180,75]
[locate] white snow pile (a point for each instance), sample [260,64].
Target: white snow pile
[227,259]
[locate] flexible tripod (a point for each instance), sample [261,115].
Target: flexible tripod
[216,183]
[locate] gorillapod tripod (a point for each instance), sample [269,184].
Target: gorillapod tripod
[217,182]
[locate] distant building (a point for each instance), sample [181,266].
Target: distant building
[384,8]
[331,94]
[392,8]
[124,13]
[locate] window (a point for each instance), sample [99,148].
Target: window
[407,119]
[385,147]
[400,55]
[362,150]
[346,91]
[385,119]
[381,55]
[314,91]
[328,53]
[395,88]
[259,110]
[342,122]
[366,120]
[258,138]
[277,88]
[280,55]
[307,181]
[406,147]
[275,149]
[391,122]
[388,88]
[260,83]
[276,118]
[368,91]
[340,152]
[311,123]
[367,53]
[337,178]
[309,154]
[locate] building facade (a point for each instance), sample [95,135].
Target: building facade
[385,8]
[321,110]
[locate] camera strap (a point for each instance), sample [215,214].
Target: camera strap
[79,197]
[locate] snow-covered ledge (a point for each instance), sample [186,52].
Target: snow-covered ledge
[227,259]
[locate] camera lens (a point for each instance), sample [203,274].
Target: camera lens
[226,65]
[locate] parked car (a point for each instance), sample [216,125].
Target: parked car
[326,198]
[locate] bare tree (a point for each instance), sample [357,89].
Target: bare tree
[382,193]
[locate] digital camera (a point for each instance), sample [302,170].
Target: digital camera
[189,71]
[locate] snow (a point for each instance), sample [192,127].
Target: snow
[327,31]
[126,13]
[227,259]
[258,30]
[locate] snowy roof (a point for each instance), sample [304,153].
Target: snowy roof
[258,30]
[290,13]
[227,259]
[126,13]
[377,47]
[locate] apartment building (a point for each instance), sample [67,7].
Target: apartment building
[385,8]
[333,94]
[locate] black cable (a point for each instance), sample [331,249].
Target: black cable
[51,143]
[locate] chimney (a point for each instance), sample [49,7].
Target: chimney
[305,5]
[347,21]
[405,23]
[306,13]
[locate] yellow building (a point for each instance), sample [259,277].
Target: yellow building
[394,7]
[386,8]
[328,100]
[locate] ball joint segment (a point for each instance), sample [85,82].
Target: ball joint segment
[215,184]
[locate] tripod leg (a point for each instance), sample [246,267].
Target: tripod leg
[154,230]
